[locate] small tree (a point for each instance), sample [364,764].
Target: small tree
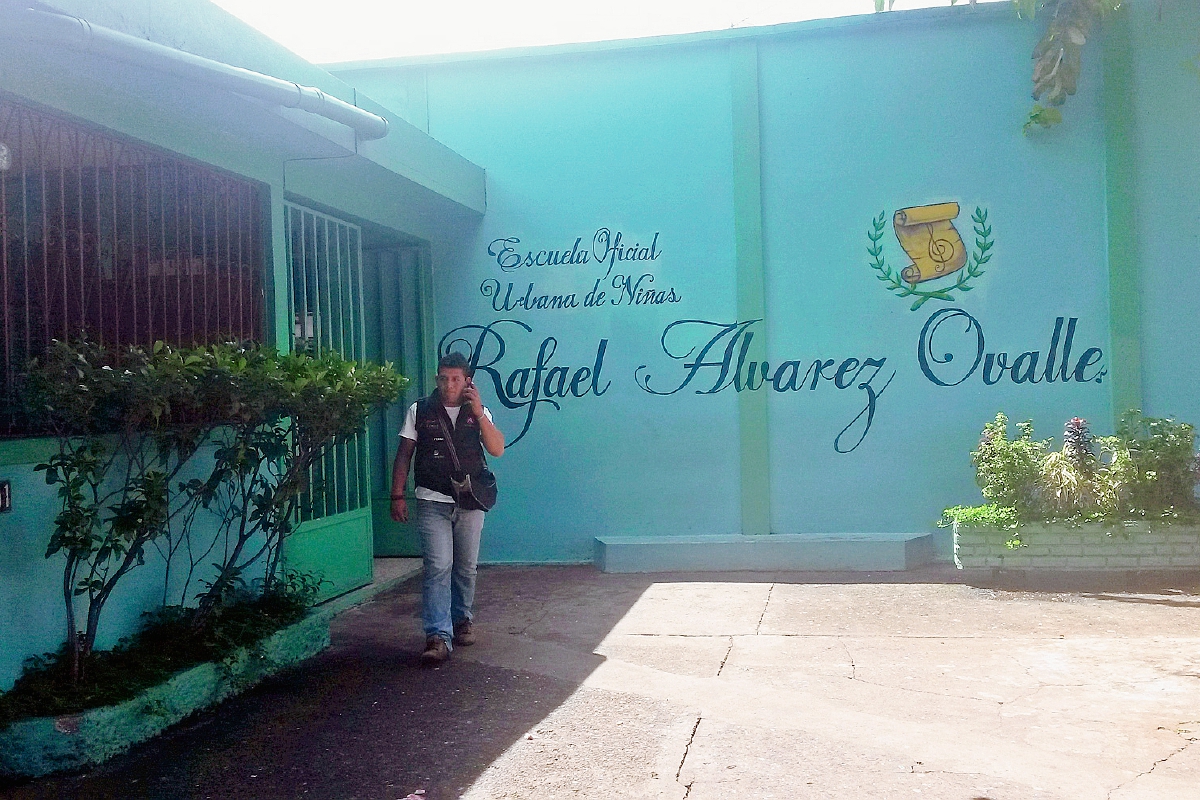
[293,408]
[127,422]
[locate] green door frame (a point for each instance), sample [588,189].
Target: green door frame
[414,345]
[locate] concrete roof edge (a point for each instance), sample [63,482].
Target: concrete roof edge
[411,153]
[872,21]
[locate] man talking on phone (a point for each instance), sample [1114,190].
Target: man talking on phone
[449,534]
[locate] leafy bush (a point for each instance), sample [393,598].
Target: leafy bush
[291,410]
[1148,470]
[128,421]
[1160,468]
[1008,470]
[1073,483]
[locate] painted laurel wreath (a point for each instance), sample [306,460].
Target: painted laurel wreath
[971,270]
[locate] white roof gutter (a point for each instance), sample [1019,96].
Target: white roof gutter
[79,34]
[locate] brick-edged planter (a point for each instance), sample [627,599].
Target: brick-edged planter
[1093,547]
[36,747]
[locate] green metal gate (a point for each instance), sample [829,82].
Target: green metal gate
[326,295]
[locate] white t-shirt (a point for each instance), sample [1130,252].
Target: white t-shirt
[409,431]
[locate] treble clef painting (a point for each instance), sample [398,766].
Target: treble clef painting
[928,235]
[936,249]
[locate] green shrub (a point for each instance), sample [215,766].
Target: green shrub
[1008,471]
[1160,469]
[1148,470]
[988,515]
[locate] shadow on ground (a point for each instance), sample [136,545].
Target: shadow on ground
[364,720]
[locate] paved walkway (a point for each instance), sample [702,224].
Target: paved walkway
[586,685]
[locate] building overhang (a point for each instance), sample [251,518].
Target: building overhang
[214,123]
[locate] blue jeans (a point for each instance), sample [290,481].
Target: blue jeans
[450,547]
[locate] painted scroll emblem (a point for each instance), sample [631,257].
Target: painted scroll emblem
[928,235]
[935,249]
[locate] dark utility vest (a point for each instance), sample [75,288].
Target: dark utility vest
[433,464]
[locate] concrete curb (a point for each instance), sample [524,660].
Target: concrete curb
[331,608]
[862,552]
[38,747]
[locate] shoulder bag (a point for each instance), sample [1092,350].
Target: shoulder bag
[476,493]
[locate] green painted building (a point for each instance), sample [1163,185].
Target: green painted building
[171,173]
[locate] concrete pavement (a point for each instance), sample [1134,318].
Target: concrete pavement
[587,685]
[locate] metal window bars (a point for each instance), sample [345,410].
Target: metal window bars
[128,243]
[325,291]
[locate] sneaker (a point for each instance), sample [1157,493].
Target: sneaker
[464,633]
[435,651]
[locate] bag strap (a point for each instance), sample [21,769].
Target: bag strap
[441,415]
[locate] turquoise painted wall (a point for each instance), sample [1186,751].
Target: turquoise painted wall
[639,145]
[856,117]
[864,119]
[30,603]
[1165,140]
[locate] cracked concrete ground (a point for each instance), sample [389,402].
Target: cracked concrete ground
[585,685]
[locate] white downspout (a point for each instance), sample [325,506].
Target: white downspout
[79,34]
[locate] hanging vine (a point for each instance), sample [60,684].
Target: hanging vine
[1058,55]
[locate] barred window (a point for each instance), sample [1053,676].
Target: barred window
[118,239]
